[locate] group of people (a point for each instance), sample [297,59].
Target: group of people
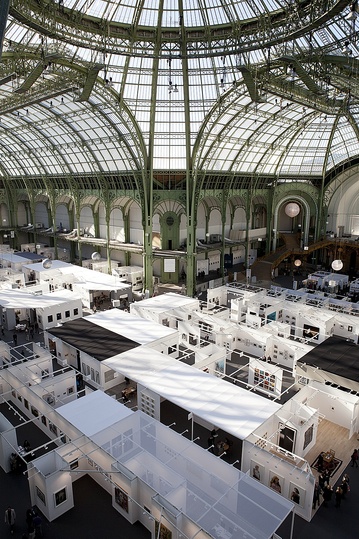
[33,522]
[325,489]
[16,463]
[29,333]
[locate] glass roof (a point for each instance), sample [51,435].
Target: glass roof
[96,87]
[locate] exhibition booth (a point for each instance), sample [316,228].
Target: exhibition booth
[163,309]
[152,471]
[114,331]
[20,306]
[274,454]
[226,406]
[85,283]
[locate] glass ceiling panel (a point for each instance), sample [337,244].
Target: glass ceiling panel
[277,129]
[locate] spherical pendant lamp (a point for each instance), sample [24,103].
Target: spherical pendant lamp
[47,263]
[337,265]
[297,262]
[292,209]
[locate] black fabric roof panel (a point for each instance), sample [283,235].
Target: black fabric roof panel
[337,356]
[92,339]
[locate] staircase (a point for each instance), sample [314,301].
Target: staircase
[262,267]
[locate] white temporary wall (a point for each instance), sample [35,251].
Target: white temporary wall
[8,441]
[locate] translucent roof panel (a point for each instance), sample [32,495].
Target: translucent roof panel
[225,86]
[193,11]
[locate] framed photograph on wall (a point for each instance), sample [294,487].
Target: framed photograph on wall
[276,482]
[40,495]
[121,498]
[165,533]
[257,471]
[296,494]
[53,428]
[34,411]
[60,497]
[287,437]
[308,436]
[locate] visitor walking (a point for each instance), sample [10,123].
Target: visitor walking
[316,495]
[14,338]
[10,517]
[327,494]
[338,496]
[354,458]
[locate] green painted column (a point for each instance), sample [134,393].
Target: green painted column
[108,250]
[126,225]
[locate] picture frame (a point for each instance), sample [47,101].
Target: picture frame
[296,494]
[121,498]
[164,533]
[34,411]
[276,482]
[257,471]
[287,437]
[40,495]
[60,496]
[53,428]
[308,436]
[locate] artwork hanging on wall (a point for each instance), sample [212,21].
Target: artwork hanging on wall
[257,471]
[60,497]
[165,533]
[296,494]
[286,438]
[121,498]
[53,428]
[308,436]
[40,495]
[276,482]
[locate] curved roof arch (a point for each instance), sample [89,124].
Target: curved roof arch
[268,88]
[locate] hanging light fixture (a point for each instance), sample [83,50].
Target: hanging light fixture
[47,263]
[337,265]
[297,262]
[292,209]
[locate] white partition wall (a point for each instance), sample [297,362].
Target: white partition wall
[8,441]
[50,486]
[265,376]
[282,476]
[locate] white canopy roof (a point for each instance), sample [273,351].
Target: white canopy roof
[93,413]
[16,258]
[165,302]
[19,299]
[133,327]
[84,277]
[235,410]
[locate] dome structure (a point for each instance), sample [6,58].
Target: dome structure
[230,87]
